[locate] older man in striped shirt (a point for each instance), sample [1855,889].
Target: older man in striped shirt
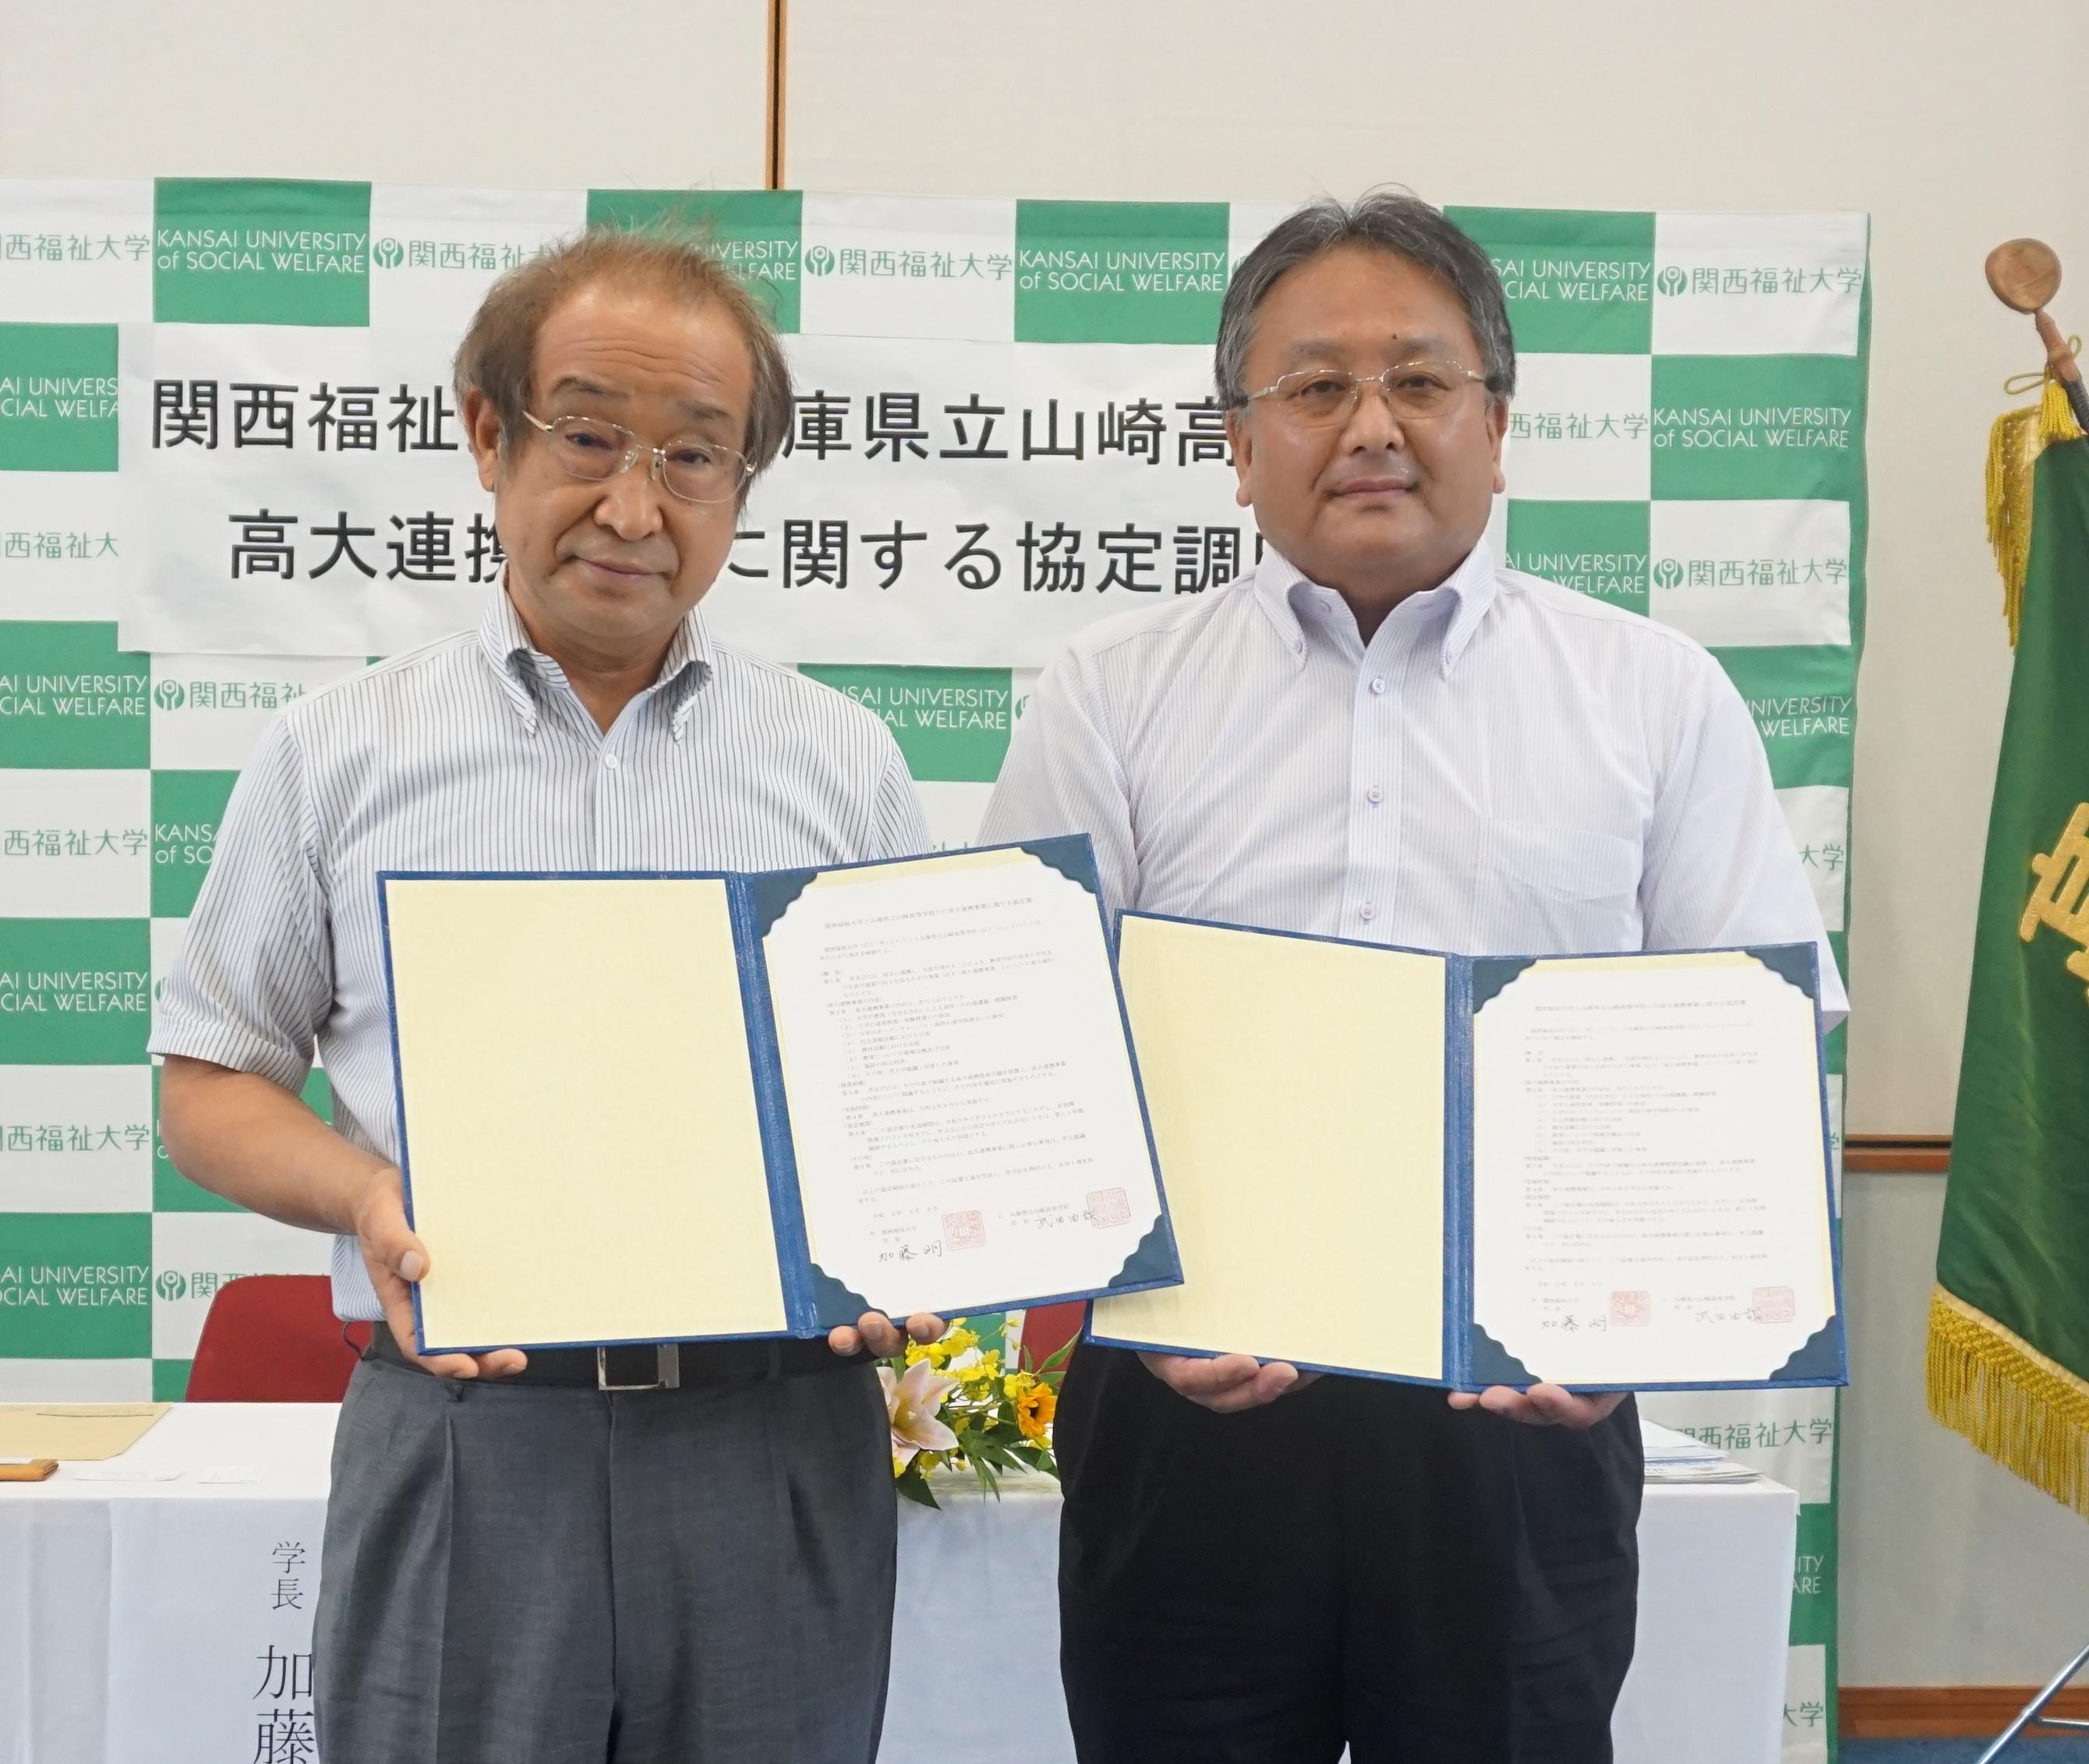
[556,1556]
[1378,734]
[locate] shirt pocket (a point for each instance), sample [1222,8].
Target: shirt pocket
[1554,891]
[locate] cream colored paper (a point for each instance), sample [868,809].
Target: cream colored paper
[1296,1091]
[586,1159]
[78,1433]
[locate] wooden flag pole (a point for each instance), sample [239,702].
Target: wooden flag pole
[2025,275]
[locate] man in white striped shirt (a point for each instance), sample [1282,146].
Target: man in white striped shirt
[556,1556]
[1378,734]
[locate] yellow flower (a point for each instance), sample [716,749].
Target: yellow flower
[1034,1410]
[1018,1384]
[955,1341]
[976,1372]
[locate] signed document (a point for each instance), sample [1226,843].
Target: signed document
[964,1117]
[1607,1172]
[675,1107]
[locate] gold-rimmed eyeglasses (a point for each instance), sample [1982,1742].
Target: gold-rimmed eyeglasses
[597,450]
[1418,390]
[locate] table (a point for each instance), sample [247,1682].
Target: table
[156,1621]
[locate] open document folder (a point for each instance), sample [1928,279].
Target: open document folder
[1605,1172]
[665,1107]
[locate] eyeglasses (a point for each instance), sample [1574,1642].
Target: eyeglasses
[597,450]
[1317,398]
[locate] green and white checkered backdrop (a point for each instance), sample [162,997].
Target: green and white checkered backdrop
[231,471]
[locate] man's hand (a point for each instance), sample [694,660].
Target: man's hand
[1228,1384]
[878,1334]
[396,1259]
[1542,1405]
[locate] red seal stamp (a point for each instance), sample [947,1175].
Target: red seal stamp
[964,1230]
[1107,1207]
[1770,1304]
[1630,1310]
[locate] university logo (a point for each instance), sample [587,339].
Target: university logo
[171,1285]
[819,259]
[169,695]
[1668,574]
[389,253]
[1673,280]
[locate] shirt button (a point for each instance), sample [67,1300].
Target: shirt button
[612,761]
[1378,687]
[1367,912]
[1375,796]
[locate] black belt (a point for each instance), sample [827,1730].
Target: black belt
[654,1365]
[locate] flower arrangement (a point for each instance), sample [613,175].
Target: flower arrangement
[949,1403]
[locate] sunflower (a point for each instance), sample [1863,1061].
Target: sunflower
[1034,1410]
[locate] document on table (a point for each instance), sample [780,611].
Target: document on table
[76,1432]
[672,1107]
[1608,1172]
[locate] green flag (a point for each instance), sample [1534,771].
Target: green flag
[2009,1329]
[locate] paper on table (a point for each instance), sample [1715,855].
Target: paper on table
[586,1160]
[1677,1458]
[1649,1188]
[1302,1141]
[962,1109]
[82,1432]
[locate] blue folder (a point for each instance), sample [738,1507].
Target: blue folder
[814,1300]
[1471,1358]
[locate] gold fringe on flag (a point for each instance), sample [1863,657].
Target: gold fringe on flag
[2013,444]
[2026,1412]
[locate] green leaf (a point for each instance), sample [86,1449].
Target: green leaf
[1056,1364]
[916,1489]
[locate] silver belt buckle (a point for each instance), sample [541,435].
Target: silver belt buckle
[667,1362]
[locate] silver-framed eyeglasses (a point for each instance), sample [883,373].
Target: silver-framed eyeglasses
[1416,391]
[693,468]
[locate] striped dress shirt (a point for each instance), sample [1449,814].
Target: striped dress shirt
[475,753]
[1507,767]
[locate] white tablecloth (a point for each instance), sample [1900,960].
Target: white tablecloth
[161,1622]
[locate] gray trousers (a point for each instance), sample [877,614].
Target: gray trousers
[557,1575]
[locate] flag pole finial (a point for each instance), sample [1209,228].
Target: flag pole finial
[2024,275]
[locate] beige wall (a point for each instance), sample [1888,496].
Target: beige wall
[526,94]
[1954,1571]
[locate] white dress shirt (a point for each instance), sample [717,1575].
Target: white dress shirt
[475,753]
[1506,768]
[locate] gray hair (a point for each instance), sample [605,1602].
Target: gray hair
[1392,221]
[498,355]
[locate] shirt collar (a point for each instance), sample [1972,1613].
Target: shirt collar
[522,668]
[1459,602]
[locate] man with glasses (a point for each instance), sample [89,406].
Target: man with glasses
[652,1553]
[1379,734]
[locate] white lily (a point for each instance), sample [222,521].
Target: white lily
[910,1404]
